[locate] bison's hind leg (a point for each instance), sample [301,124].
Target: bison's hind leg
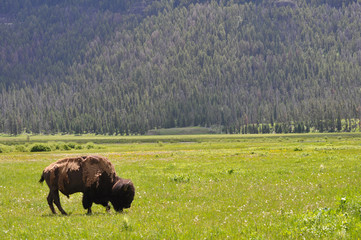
[50,199]
[56,200]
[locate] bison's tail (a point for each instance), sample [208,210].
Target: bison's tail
[42,178]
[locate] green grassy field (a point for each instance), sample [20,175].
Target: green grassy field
[195,187]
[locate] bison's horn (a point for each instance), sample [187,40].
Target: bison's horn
[124,186]
[115,184]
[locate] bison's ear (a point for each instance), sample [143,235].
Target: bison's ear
[125,186]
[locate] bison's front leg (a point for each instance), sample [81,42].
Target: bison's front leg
[107,208]
[89,211]
[87,202]
[105,203]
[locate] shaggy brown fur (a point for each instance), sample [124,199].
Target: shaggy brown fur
[94,176]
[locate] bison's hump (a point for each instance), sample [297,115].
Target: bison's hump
[94,166]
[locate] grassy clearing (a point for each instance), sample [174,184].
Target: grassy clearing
[185,131]
[258,187]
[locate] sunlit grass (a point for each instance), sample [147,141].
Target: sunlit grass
[261,187]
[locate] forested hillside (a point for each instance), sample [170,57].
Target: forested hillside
[130,66]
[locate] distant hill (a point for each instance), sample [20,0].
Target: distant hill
[131,66]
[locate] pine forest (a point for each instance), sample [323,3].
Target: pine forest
[130,66]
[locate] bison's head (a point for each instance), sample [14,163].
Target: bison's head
[122,194]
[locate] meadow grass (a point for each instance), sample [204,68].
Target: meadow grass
[210,187]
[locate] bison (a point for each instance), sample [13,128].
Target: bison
[94,176]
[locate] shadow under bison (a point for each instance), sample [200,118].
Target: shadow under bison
[94,176]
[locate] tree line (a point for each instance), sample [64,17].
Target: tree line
[248,66]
